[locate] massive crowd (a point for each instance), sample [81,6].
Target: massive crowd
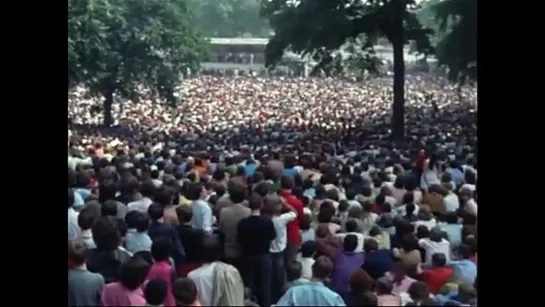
[274,191]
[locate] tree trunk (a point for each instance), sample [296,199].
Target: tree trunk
[398,108]
[108,101]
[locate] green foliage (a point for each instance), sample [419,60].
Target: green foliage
[457,48]
[229,18]
[115,46]
[320,28]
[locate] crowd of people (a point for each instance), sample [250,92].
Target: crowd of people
[275,191]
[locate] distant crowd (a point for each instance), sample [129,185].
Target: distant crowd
[274,191]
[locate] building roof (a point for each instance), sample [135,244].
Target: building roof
[238,41]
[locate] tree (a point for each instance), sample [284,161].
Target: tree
[229,18]
[457,47]
[319,28]
[114,47]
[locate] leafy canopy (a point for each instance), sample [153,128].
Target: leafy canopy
[115,46]
[319,28]
[457,47]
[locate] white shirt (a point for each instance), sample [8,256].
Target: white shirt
[432,247]
[429,224]
[306,264]
[140,205]
[361,239]
[401,210]
[451,201]
[281,241]
[203,277]
[73,227]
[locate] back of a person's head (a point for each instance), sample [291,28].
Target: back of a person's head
[155,211]
[294,270]
[286,183]
[272,204]
[419,291]
[262,189]
[193,191]
[408,198]
[410,208]
[86,218]
[141,222]
[211,249]
[256,202]
[105,234]
[308,249]
[350,243]
[451,217]
[465,251]
[307,222]
[322,268]
[156,291]
[399,182]
[184,291]
[77,252]
[109,208]
[439,260]
[164,196]
[436,234]
[184,213]
[161,249]
[106,191]
[133,273]
[384,286]
[370,245]
[237,192]
[368,299]
[351,225]
[360,282]
[343,205]
[326,213]
[422,232]
[144,255]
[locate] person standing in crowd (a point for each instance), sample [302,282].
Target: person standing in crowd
[158,229]
[255,234]
[128,290]
[229,217]
[218,283]
[84,287]
[161,251]
[293,228]
[191,240]
[347,262]
[137,238]
[155,292]
[313,293]
[73,228]
[202,213]
[185,293]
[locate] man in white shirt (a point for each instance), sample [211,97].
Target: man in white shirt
[435,243]
[147,189]
[273,205]
[73,228]
[451,201]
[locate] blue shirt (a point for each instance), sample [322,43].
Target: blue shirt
[457,176]
[84,193]
[249,169]
[78,200]
[310,192]
[137,241]
[464,271]
[454,233]
[290,172]
[202,216]
[310,294]
[157,229]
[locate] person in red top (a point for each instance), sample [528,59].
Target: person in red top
[438,275]
[293,229]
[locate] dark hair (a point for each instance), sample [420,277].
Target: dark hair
[343,205]
[409,243]
[184,213]
[326,213]
[384,286]
[184,291]
[109,208]
[351,225]
[408,198]
[368,299]
[409,209]
[439,260]
[360,282]
[256,201]
[307,222]
[77,251]
[70,198]
[422,232]
[156,291]
[237,192]
[161,249]
[164,196]
[308,249]
[294,270]
[144,255]
[86,218]
[131,218]
[419,290]
[465,251]
[211,249]
[155,211]
[399,182]
[133,273]
[350,243]
[322,268]
[142,222]
[193,191]
[286,183]
[370,245]
[262,189]
[106,234]
[106,191]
